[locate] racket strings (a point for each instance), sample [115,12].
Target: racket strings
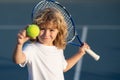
[68,21]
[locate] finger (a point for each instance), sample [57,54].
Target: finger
[24,33]
[20,35]
[86,46]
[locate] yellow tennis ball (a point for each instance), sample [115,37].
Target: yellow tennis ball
[33,31]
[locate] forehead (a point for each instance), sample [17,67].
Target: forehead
[49,25]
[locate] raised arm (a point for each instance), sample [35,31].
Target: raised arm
[75,58]
[18,56]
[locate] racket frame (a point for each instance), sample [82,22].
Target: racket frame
[89,51]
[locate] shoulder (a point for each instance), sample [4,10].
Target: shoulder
[28,45]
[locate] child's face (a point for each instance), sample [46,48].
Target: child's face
[48,35]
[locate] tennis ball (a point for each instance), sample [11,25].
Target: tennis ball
[33,31]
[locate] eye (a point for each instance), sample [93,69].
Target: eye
[42,28]
[52,30]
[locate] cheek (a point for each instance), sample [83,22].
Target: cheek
[55,36]
[41,33]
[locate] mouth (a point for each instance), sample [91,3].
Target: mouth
[45,38]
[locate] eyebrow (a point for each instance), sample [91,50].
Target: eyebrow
[50,27]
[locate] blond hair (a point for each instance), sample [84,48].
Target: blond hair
[54,16]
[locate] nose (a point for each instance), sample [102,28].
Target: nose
[46,33]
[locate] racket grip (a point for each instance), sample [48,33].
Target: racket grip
[93,54]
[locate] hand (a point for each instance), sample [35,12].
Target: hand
[83,47]
[22,37]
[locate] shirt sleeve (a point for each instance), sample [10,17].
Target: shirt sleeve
[27,50]
[64,61]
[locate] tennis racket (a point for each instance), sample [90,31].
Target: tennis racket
[72,33]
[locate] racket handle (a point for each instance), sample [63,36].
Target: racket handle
[93,54]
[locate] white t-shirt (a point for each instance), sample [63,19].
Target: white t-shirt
[44,62]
